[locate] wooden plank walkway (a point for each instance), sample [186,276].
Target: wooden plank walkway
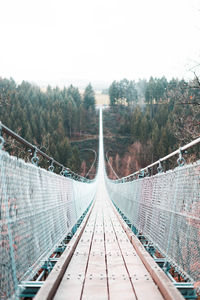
[104,265]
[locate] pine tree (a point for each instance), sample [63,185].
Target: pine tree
[89,98]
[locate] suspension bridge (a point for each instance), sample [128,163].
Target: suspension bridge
[66,237]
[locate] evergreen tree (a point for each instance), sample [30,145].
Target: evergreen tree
[45,118]
[74,94]
[123,92]
[89,98]
[113,93]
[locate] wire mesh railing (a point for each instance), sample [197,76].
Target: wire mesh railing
[37,210]
[165,208]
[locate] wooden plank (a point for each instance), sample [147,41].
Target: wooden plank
[105,265]
[95,286]
[166,287]
[118,279]
[73,279]
[51,284]
[142,282]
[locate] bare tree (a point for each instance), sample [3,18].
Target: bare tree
[186,116]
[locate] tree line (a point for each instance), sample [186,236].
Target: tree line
[154,90]
[161,115]
[50,118]
[158,114]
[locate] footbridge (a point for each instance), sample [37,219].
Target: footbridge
[67,237]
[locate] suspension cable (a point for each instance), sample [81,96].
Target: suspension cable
[35,150]
[95,158]
[111,165]
[158,162]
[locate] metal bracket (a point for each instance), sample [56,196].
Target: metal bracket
[147,172]
[51,167]
[160,168]
[35,158]
[29,288]
[67,172]
[62,172]
[141,174]
[1,138]
[186,289]
[181,159]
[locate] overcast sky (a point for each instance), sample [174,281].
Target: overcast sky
[98,40]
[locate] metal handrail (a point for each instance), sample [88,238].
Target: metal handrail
[111,165]
[95,158]
[18,138]
[178,151]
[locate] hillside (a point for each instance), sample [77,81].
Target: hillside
[50,120]
[64,123]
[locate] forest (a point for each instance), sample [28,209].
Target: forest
[149,119]
[49,119]
[145,120]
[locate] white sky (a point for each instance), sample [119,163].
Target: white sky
[98,40]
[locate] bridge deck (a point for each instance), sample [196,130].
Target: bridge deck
[104,264]
[100,262]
